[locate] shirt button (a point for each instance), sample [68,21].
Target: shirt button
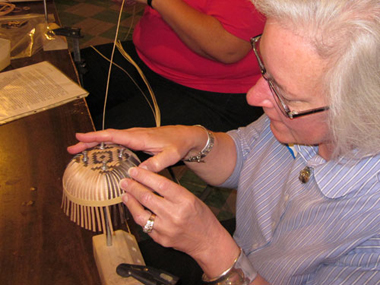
[286,198]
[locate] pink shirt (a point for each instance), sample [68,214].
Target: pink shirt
[163,51]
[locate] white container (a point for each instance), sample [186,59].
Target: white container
[5,53]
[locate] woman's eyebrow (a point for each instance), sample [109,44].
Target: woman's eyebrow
[278,86]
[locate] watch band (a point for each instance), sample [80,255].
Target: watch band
[205,151]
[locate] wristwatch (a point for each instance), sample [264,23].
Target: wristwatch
[205,151]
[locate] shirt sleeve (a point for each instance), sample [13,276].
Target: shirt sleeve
[360,266]
[244,139]
[238,17]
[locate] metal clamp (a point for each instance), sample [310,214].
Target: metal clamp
[146,275]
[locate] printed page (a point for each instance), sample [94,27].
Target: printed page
[33,89]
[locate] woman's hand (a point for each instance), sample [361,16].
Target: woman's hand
[182,220]
[168,144]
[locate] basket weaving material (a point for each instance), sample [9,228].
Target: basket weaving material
[91,191]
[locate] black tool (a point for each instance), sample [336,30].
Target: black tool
[75,34]
[146,275]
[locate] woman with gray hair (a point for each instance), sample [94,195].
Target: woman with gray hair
[307,173]
[347,35]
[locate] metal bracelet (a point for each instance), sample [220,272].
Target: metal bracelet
[240,273]
[205,151]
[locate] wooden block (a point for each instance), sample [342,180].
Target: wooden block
[124,249]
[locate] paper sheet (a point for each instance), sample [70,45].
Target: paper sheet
[35,88]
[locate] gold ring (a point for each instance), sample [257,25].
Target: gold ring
[148,228]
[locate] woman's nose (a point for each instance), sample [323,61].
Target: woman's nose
[260,95]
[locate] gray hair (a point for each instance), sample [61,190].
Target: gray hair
[347,34]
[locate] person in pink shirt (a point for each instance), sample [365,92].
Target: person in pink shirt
[197,57]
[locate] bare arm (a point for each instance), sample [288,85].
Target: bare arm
[170,144]
[183,221]
[202,33]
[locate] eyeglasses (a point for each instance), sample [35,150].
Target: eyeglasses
[278,98]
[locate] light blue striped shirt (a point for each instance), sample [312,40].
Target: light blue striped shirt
[326,231]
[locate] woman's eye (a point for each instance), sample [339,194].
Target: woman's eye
[293,104]
[289,101]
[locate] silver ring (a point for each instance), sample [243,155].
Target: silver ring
[148,228]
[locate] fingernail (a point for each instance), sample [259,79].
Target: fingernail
[123,184]
[124,198]
[132,171]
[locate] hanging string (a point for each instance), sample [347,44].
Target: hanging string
[132,23]
[91,180]
[155,109]
[111,61]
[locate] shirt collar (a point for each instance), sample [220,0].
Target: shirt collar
[337,178]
